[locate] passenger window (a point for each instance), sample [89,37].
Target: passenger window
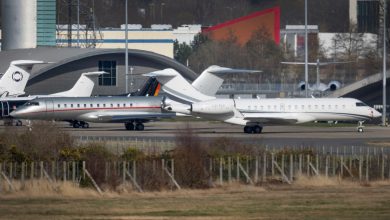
[78,105]
[91,105]
[85,105]
[118,105]
[98,105]
[322,107]
[71,105]
[124,105]
[59,105]
[112,105]
[65,105]
[131,104]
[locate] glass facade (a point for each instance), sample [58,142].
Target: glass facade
[46,22]
[110,78]
[368,16]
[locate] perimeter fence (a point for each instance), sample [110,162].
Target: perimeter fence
[153,172]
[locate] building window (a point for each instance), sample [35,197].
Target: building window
[110,78]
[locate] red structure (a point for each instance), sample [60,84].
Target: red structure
[243,27]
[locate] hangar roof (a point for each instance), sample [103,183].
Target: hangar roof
[60,56]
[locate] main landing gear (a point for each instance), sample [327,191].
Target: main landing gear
[139,126]
[79,124]
[256,129]
[360,127]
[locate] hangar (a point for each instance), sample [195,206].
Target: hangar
[68,64]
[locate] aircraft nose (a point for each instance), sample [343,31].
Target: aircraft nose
[375,113]
[15,114]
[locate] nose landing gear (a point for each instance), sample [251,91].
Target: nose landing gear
[360,127]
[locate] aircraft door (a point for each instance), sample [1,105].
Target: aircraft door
[4,109]
[49,107]
[282,108]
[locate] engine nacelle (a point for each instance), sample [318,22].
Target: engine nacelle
[178,107]
[302,85]
[334,85]
[216,106]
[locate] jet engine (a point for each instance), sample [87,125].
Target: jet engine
[216,106]
[334,85]
[302,85]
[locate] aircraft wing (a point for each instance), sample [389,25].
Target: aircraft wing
[276,118]
[124,116]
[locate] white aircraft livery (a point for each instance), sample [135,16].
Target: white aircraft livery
[254,113]
[14,80]
[132,111]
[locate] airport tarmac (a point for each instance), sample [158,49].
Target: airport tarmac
[274,136]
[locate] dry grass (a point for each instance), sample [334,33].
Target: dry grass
[315,197]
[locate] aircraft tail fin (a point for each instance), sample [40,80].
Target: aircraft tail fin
[150,88]
[209,81]
[14,80]
[178,88]
[83,87]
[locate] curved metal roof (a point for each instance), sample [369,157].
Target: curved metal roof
[61,56]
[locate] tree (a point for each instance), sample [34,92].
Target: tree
[181,52]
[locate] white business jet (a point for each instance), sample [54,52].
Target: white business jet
[14,80]
[254,113]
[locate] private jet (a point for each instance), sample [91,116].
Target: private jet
[253,114]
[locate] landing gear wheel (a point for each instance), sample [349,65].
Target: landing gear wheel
[248,129]
[85,125]
[360,127]
[76,125]
[129,126]
[139,127]
[257,129]
[18,123]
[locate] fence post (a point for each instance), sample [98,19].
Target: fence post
[64,168]
[220,172]
[300,164]
[283,168]
[272,165]
[308,165]
[257,169]
[134,170]
[264,175]
[238,169]
[341,166]
[173,167]
[383,166]
[41,170]
[53,175]
[229,169]
[22,174]
[327,166]
[32,171]
[360,167]
[291,167]
[317,164]
[124,172]
[83,165]
[10,171]
[367,165]
[334,165]
[73,171]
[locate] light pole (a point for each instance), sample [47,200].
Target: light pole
[306,55]
[384,65]
[126,51]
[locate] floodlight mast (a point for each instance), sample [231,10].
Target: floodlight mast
[306,55]
[384,66]
[126,51]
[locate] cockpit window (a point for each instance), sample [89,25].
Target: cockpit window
[32,103]
[360,104]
